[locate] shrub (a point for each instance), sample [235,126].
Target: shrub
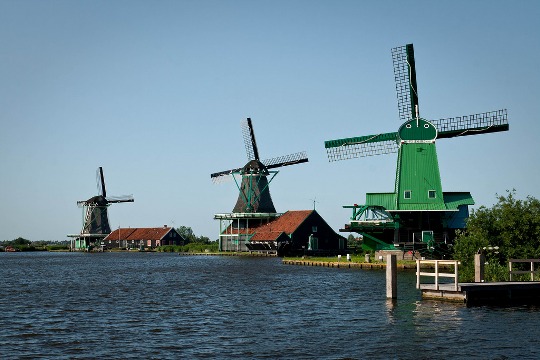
[511,225]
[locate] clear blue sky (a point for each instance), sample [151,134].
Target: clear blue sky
[154,91]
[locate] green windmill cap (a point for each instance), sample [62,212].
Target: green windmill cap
[417,130]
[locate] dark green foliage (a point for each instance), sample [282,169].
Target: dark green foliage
[22,244]
[512,225]
[190,237]
[354,244]
[57,247]
[187,233]
[17,242]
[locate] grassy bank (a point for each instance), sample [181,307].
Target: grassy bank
[190,248]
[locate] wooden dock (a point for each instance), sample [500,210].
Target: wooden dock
[494,293]
[476,293]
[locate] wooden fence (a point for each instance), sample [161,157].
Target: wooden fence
[437,274]
[531,271]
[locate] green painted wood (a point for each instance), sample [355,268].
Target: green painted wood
[360,140]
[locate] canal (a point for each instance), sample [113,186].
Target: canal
[165,306]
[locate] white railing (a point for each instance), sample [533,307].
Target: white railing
[437,274]
[532,271]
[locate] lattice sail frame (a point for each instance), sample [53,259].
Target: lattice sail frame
[487,122]
[286,160]
[249,140]
[405,79]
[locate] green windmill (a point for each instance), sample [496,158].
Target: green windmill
[418,215]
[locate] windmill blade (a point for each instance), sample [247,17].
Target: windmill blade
[488,122]
[120,199]
[291,159]
[249,140]
[355,147]
[405,78]
[216,177]
[101,182]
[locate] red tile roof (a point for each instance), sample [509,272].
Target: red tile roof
[139,233]
[286,223]
[266,235]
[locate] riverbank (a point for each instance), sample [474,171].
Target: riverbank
[227,253]
[348,264]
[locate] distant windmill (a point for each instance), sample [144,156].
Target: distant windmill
[254,195]
[96,220]
[418,208]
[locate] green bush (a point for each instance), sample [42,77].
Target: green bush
[57,247]
[511,225]
[25,248]
[170,248]
[199,247]
[191,247]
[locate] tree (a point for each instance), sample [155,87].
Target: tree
[512,225]
[351,241]
[187,233]
[190,237]
[203,240]
[17,242]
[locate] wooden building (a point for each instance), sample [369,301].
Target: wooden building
[136,238]
[297,232]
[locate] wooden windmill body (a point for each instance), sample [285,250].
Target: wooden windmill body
[254,206]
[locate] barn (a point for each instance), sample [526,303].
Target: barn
[135,238]
[297,232]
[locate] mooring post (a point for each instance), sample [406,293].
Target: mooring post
[479,260]
[391,276]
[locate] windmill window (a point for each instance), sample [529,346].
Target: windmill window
[426,126]
[408,126]
[314,229]
[407,194]
[432,194]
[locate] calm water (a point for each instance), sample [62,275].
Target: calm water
[165,306]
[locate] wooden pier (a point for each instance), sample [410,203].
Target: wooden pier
[477,293]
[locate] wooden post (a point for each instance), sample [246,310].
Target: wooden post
[417,274]
[436,274]
[479,260]
[456,276]
[391,276]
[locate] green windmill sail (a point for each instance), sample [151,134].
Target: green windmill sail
[418,212]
